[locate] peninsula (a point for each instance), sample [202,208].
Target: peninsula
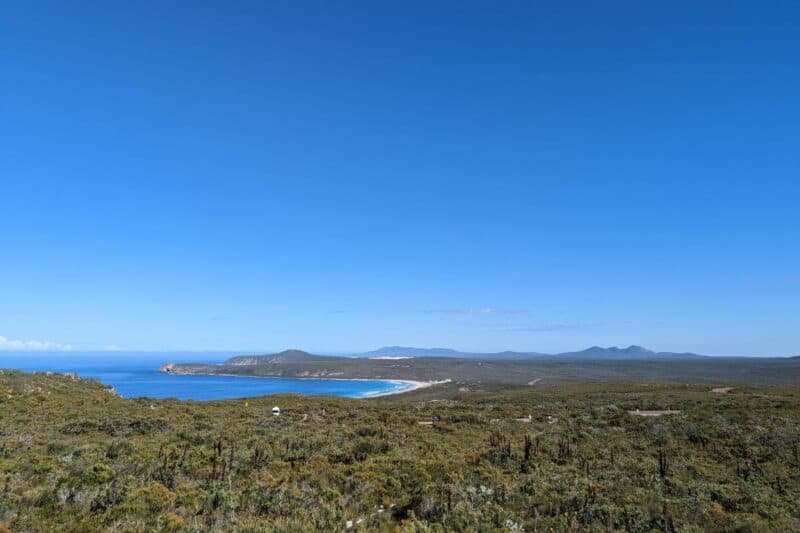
[506,369]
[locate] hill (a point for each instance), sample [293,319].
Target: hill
[75,457]
[276,358]
[407,351]
[631,352]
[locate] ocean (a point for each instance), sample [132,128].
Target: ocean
[135,375]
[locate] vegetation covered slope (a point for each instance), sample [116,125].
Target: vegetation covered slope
[75,457]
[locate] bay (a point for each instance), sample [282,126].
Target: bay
[135,374]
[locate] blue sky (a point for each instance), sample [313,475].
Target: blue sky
[340,176]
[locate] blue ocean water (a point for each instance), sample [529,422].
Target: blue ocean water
[136,375]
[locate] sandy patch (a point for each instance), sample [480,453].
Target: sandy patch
[414,385]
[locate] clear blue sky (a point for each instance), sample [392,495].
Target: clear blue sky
[339,176]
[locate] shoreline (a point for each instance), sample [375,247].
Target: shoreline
[412,384]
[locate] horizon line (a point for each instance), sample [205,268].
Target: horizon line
[75,351]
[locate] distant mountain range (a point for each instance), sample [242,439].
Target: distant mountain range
[392,355]
[595,352]
[407,351]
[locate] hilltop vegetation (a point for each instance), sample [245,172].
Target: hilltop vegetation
[75,457]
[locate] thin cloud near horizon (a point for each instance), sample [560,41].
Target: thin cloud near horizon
[545,328]
[32,345]
[475,311]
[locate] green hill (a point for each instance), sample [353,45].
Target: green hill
[75,457]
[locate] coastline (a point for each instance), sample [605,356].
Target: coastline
[412,384]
